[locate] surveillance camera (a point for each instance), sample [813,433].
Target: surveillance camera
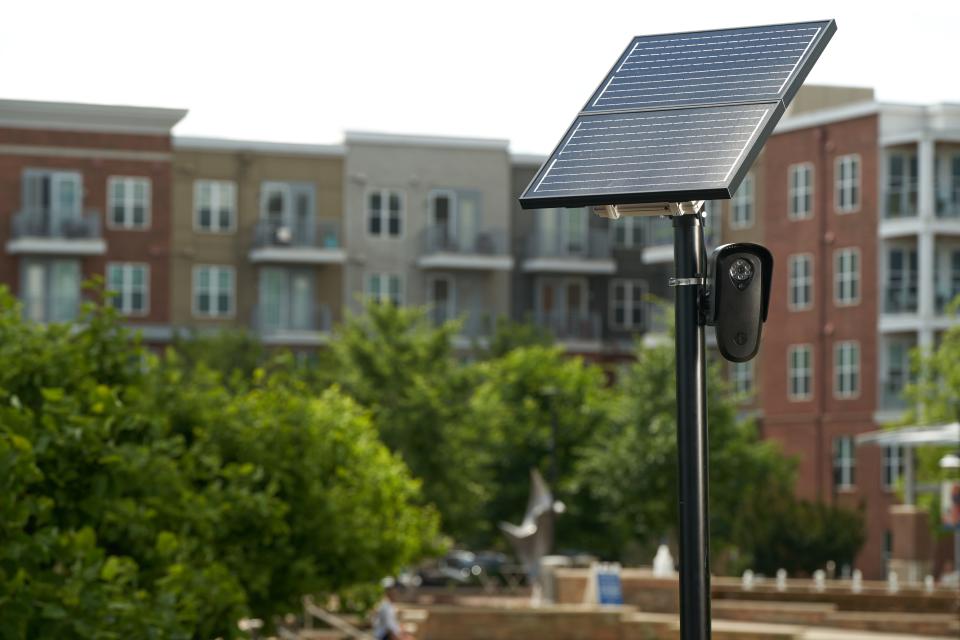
[739,297]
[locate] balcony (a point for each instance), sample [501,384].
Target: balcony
[571,326]
[943,298]
[948,203]
[899,300]
[287,325]
[43,233]
[900,202]
[315,242]
[443,249]
[589,254]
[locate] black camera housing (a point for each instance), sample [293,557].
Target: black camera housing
[740,297]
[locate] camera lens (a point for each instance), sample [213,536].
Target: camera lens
[741,272]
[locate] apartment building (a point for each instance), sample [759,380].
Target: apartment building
[258,239]
[85,192]
[859,207]
[428,223]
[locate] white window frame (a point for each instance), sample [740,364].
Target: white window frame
[843,279]
[630,226]
[217,190]
[798,282]
[121,296]
[214,290]
[128,190]
[384,212]
[844,184]
[799,373]
[628,302]
[844,461]
[742,377]
[384,282]
[797,193]
[451,303]
[743,201]
[891,465]
[846,370]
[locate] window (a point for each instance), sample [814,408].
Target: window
[946,276]
[800,372]
[741,377]
[902,280]
[627,304]
[52,200]
[213,291]
[50,290]
[846,369]
[286,301]
[741,215]
[628,232]
[384,213]
[442,299]
[130,283]
[892,465]
[947,185]
[901,192]
[848,183]
[287,214]
[844,462]
[129,203]
[800,191]
[800,285]
[846,277]
[214,205]
[385,287]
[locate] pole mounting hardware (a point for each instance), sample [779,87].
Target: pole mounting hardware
[686,282]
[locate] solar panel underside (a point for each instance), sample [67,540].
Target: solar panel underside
[679,117]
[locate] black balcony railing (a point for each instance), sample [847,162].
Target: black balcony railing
[570,325]
[593,245]
[46,224]
[289,316]
[442,239]
[314,234]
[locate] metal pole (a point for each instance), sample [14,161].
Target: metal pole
[690,262]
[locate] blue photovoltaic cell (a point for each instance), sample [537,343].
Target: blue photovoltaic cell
[680,117]
[705,68]
[652,151]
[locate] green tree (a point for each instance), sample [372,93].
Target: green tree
[535,407]
[146,499]
[394,362]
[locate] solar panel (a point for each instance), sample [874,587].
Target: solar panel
[679,117]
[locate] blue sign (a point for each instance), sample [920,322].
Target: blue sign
[609,589]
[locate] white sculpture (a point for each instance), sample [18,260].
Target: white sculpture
[781,580]
[663,563]
[928,584]
[893,582]
[747,580]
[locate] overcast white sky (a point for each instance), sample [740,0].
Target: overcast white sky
[307,71]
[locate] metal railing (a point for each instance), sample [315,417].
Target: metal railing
[900,300]
[943,298]
[51,308]
[948,202]
[271,320]
[44,224]
[475,323]
[441,239]
[314,234]
[891,393]
[570,325]
[595,245]
[900,202]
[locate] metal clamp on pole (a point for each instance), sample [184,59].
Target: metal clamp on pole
[686,282]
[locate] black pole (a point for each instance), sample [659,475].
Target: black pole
[690,264]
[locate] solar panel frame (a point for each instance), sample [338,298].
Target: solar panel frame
[801,68]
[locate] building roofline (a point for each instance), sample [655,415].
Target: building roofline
[527,159]
[71,116]
[399,139]
[862,109]
[256,146]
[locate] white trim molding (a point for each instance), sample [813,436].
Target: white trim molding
[30,114]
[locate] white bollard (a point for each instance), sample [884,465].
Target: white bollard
[928,584]
[781,580]
[856,584]
[747,580]
[893,582]
[819,580]
[663,563]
